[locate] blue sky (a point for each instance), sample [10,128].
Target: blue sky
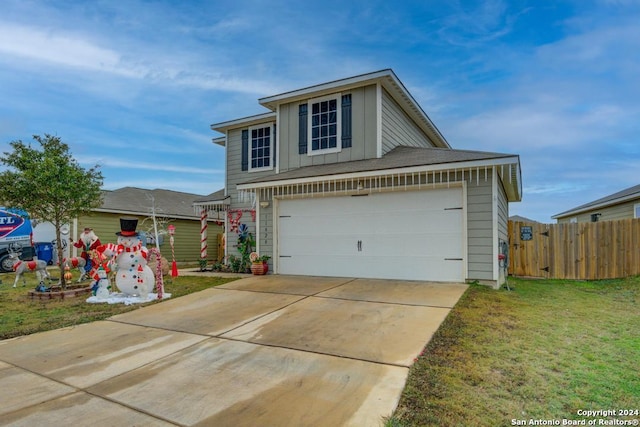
[134,85]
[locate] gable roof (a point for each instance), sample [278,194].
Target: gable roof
[401,159]
[622,196]
[386,78]
[137,201]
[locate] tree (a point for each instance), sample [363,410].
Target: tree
[49,184]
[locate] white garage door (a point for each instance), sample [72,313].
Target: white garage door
[412,235]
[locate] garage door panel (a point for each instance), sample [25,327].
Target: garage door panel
[413,235]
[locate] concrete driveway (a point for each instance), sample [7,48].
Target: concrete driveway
[264,351]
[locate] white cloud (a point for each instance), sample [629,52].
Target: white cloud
[133,164]
[75,51]
[65,50]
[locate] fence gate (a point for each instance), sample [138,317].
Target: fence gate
[529,249]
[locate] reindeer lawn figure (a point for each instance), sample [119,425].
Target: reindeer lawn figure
[21,267]
[79,263]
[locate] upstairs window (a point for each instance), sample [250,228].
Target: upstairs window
[258,146]
[324,125]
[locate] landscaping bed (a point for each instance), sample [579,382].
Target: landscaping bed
[56,292]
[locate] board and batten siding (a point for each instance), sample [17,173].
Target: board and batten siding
[398,128]
[363,133]
[608,213]
[186,239]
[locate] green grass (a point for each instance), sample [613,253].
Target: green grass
[19,315]
[542,351]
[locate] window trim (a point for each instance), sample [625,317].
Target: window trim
[271,147]
[338,148]
[636,210]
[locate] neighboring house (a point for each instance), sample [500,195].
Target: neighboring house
[171,207]
[518,218]
[621,205]
[351,178]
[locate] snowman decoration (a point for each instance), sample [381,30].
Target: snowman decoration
[133,276]
[102,292]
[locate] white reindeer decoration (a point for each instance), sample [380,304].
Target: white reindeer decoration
[21,267]
[79,263]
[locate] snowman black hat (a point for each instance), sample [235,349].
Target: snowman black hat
[128,227]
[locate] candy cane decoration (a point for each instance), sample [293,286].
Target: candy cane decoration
[203,234]
[159,282]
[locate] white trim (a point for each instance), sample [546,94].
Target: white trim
[224,127]
[465,234]
[378,120]
[350,82]
[636,210]
[275,249]
[276,140]
[495,247]
[226,167]
[257,238]
[250,148]
[338,148]
[368,174]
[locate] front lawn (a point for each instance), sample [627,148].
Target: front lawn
[543,351]
[19,315]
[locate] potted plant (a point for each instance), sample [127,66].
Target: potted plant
[259,264]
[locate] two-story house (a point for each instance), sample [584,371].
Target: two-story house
[351,178]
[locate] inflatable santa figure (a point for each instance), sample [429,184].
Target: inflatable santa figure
[133,276]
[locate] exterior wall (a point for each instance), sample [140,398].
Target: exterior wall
[484,223]
[235,175]
[502,226]
[480,225]
[186,239]
[363,122]
[609,213]
[486,210]
[398,128]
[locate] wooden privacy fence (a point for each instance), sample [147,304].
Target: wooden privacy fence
[588,250]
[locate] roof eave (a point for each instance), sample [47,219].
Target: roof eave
[512,182]
[387,78]
[588,208]
[140,213]
[242,122]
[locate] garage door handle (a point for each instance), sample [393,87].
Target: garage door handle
[359,245]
